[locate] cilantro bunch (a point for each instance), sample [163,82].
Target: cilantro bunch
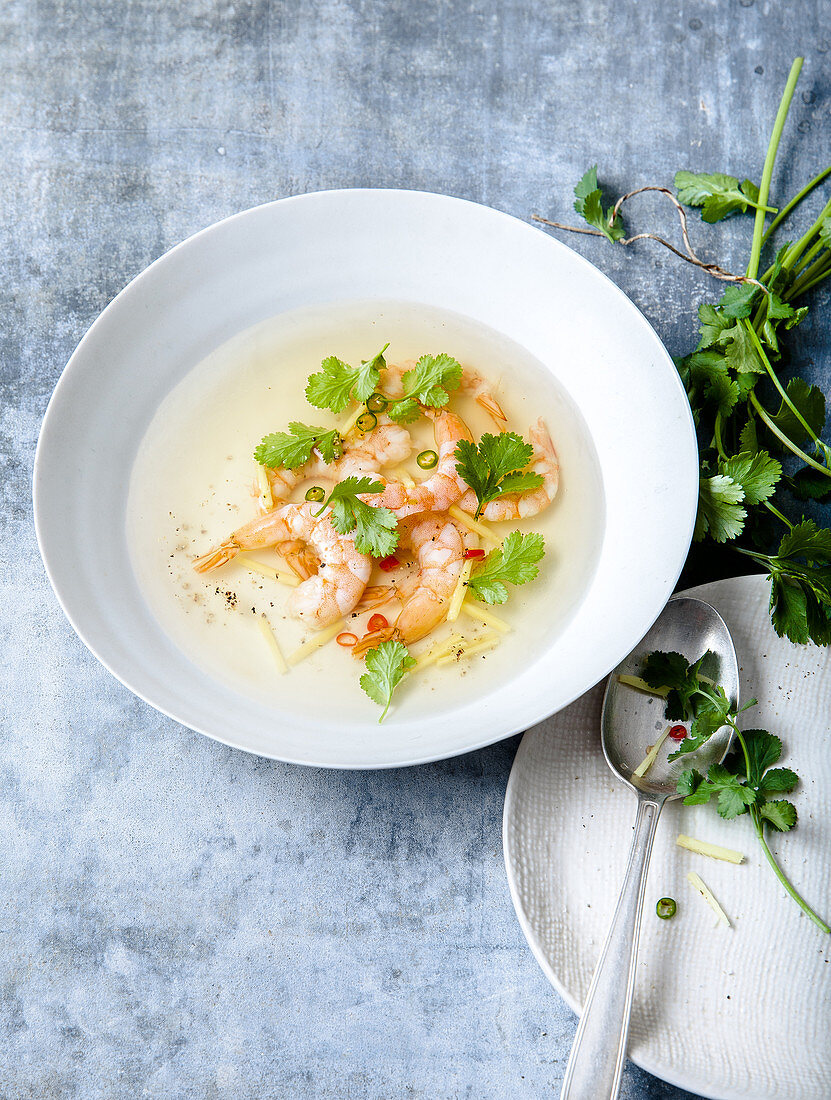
[761,446]
[744,782]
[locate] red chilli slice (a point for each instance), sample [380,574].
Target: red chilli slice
[477,554]
[678,733]
[347,639]
[389,563]
[377,622]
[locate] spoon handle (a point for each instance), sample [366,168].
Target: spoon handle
[596,1061]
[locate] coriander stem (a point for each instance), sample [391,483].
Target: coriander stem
[780,435]
[815,274]
[815,248]
[796,250]
[795,201]
[777,870]
[717,436]
[767,171]
[775,379]
[775,511]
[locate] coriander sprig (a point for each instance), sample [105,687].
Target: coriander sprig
[386,668]
[761,443]
[337,383]
[293,449]
[428,384]
[746,778]
[514,562]
[375,529]
[496,466]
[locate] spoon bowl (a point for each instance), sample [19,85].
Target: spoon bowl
[631,720]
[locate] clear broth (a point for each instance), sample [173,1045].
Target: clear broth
[191,486]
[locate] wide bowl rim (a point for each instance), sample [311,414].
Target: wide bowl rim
[51,415]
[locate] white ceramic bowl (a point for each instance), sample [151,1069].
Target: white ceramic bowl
[334,246]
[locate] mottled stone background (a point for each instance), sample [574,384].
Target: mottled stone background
[178,919]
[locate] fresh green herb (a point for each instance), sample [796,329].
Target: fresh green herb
[749,422]
[496,466]
[337,383]
[514,562]
[375,528]
[800,576]
[717,194]
[666,908]
[429,383]
[386,667]
[745,780]
[292,449]
[589,205]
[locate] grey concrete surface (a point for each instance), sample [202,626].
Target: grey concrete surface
[178,919]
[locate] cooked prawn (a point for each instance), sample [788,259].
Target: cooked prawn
[513,506]
[342,574]
[387,444]
[472,384]
[439,545]
[443,487]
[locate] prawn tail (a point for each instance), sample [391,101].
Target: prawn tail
[221,555]
[376,595]
[371,640]
[492,408]
[299,558]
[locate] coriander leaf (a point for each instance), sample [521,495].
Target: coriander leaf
[716,193]
[781,814]
[809,484]
[720,509]
[375,528]
[428,383]
[807,540]
[778,781]
[496,460]
[712,325]
[514,562]
[800,598]
[740,351]
[757,474]
[337,383]
[386,667]
[294,448]
[405,411]
[810,401]
[589,205]
[691,784]
[749,437]
[824,232]
[763,749]
[737,300]
[706,377]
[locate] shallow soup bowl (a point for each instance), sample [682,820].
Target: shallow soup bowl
[327,249]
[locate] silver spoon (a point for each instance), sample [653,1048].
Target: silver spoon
[630,720]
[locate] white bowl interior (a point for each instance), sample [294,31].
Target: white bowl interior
[445,253]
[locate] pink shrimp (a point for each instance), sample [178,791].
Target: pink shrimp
[443,488]
[513,506]
[323,598]
[472,384]
[439,545]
